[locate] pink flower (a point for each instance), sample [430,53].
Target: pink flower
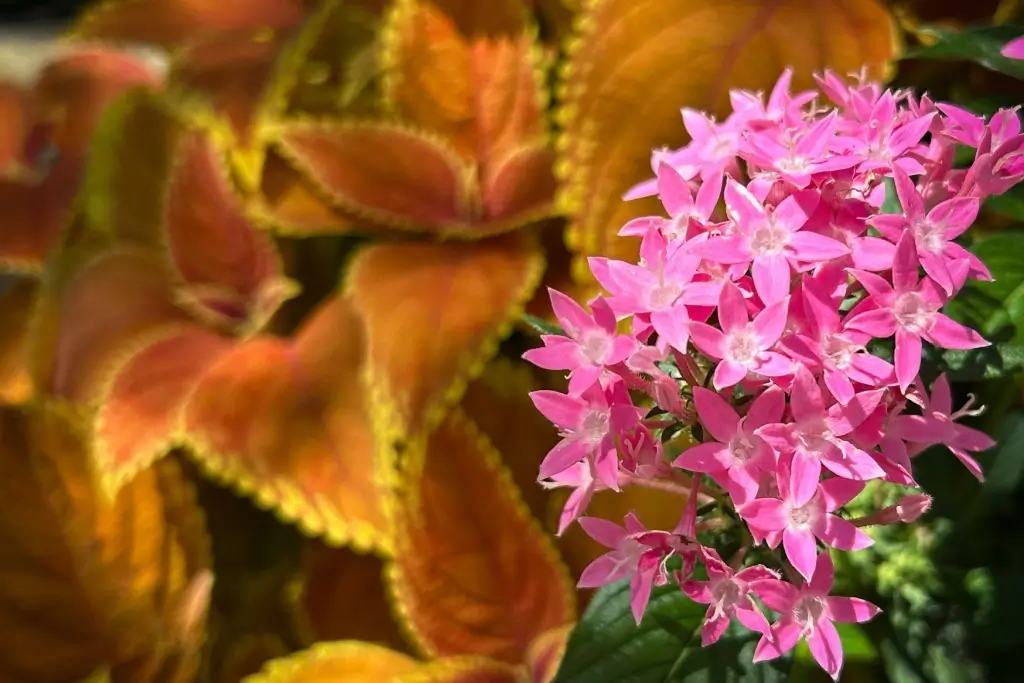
[727,595]
[743,346]
[738,458]
[797,160]
[884,139]
[1014,49]
[682,207]
[936,425]
[589,425]
[840,352]
[814,437]
[591,343]
[772,241]
[580,478]
[802,523]
[910,310]
[808,612]
[663,287]
[933,233]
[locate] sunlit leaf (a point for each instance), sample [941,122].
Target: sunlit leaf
[33,214]
[17,299]
[288,204]
[545,654]
[498,402]
[144,392]
[91,582]
[482,91]
[521,185]
[170,22]
[340,595]
[78,335]
[472,572]
[128,171]
[346,660]
[467,669]
[228,267]
[434,314]
[74,90]
[284,421]
[382,171]
[636,62]
[980,44]
[15,123]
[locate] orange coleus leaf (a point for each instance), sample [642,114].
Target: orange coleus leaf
[545,654]
[484,92]
[356,165]
[285,421]
[92,583]
[434,314]
[34,213]
[229,270]
[17,301]
[467,669]
[613,117]
[498,402]
[91,306]
[472,572]
[346,660]
[15,123]
[289,204]
[77,86]
[171,22]
[340,594]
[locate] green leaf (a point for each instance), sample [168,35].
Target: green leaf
[974,365]
[981,45]
[1009,204]
[990,307]
[542,326]
[608,647]
[892,200]
[1008,467]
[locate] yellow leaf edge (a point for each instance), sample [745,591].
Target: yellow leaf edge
[289,668]
[407,490]
[388,424]
[445,669]
[113,477]
[465,172]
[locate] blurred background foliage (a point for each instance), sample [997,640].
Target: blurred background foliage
[952,587]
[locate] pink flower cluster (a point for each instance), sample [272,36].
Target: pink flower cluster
[751,316]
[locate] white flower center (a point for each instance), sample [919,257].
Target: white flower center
[769,239]
[814,437]
[838,351]
[595,345]
[663,295]
[808,611]
[802,517]
[930,237]
[742,346]
[912,312]
[742,448]
[594,426]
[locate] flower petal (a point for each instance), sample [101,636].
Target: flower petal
[286,421]
[503,584]
[434,313]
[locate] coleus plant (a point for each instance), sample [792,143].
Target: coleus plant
[761,326]
[168,320]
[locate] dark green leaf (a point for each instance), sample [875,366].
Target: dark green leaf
[1009,204]
[1008,467]
[608,647]
[542,326]
[981,45]
[892,200]
[991,362]
[990,307]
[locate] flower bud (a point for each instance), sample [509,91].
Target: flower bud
[910,507]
